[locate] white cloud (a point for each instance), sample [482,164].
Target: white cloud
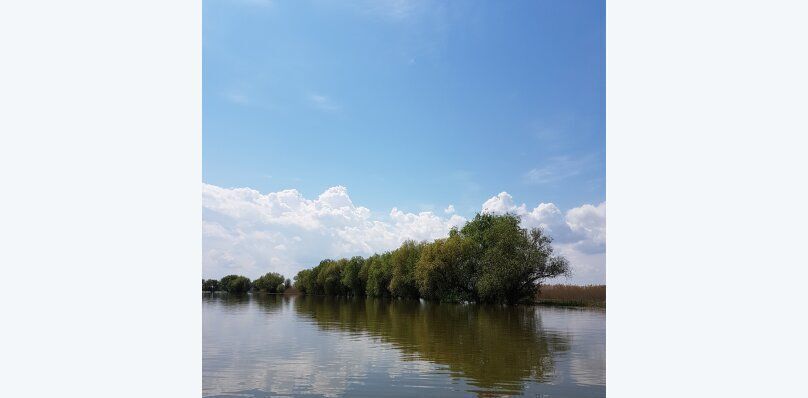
[580,234]
[322,103]
[589,221]
[250,233]
[449,210]
[559,168]
[237,98]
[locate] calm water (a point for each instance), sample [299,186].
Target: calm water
[268,345]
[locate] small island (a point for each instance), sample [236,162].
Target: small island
[491,259]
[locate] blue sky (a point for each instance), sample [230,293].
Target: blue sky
[413,107]
[408,104]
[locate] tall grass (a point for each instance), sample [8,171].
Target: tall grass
[594,295]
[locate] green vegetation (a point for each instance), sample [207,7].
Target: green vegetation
[490,260]
[235,284]
[210,285]
[271,282]
[572,295]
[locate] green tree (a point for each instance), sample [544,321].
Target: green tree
[491,259]
[303,280]
[402,261]
[352,282]
[380,273]
[509,262]
[329,276]
[268,282]
[445,269]
[236,284]
[210,285]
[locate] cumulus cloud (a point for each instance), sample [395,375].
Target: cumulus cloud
[250,233]
[246,232]
[579,234]
[449,210]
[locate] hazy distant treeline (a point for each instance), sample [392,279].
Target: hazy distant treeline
[270,283]
[491,259]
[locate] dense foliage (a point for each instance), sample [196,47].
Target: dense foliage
[210,285]
[235,284]
[491,259]
[269,283]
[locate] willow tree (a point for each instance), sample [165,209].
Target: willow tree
[303,281]
[269,282]
[402,261]
[445,268]
[210,285]
[509,262]
[491,259]
[380,272]
[235,284]
[352,279]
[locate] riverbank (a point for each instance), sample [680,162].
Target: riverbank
[572,296]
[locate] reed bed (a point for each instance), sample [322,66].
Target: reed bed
[573,295]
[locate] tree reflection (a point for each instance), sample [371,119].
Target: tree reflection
[495,347]
[268,303]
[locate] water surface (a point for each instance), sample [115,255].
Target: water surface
[271,345]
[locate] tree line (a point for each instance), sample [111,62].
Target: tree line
[490,260]
[271,282]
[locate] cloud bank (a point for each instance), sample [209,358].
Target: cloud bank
[250,233]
